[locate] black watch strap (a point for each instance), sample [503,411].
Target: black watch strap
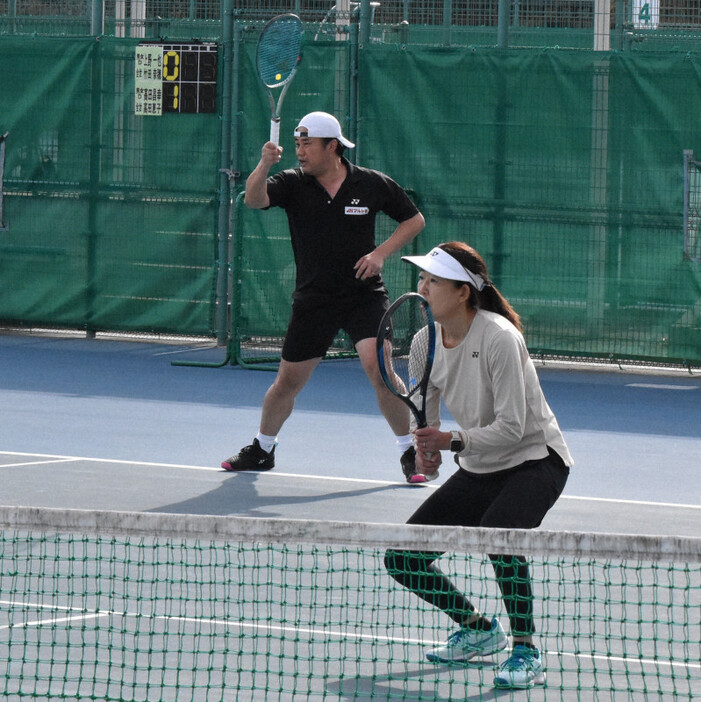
[456,442]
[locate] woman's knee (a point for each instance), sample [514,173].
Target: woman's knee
[404,565]
[395,563]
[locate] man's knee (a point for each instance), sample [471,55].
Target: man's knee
[292,377]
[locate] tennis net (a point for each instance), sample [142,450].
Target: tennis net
[147,606]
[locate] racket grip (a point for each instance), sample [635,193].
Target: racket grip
[275,131]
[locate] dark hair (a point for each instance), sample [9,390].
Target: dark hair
[489,298]
[339,147]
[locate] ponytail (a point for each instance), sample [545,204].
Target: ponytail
[489,298]
[492,300]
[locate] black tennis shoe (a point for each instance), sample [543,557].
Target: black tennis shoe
[251,457]
[408,461]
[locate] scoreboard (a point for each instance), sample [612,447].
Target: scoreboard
[175,77]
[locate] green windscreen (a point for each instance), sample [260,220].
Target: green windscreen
[110,218]
[565,169]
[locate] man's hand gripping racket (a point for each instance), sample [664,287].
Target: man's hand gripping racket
[406,344]
[277,57]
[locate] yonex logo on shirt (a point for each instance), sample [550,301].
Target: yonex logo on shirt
[350,210]
[475,354]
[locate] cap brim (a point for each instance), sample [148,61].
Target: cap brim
[302,128]
[430,264]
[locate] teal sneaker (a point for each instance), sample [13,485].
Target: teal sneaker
[522,669]
[466,643]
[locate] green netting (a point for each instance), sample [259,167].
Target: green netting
[564,169]
[175,608]
[110,218]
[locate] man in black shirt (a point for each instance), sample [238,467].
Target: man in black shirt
[331,207]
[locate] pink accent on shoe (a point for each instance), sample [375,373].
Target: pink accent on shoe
[418,478]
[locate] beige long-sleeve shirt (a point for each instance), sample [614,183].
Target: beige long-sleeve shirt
[490,386]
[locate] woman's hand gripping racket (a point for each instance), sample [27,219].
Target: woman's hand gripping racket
[277,57]
[406,344]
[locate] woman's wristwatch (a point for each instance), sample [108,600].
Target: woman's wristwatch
[456,442]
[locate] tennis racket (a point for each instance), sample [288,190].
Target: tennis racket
[277,57]
[406,343]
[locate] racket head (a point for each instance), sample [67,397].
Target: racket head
[406,345]
[279,50]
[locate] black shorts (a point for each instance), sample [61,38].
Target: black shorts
[316,320]
[517,498]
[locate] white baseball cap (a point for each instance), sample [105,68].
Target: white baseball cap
[442,264]
[324,125]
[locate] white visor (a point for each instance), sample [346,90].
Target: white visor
[442,264]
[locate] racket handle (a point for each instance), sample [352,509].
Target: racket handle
[275,131]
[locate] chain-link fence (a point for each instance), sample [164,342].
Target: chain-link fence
[636,25]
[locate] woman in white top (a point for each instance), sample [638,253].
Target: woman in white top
[513,460]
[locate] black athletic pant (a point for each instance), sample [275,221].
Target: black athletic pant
[517,498]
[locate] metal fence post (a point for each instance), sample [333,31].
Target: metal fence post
[97,18]
[503,19]
[365,21]
[222,301]
[447,21]
[226,305]
[95,169]
[500,151]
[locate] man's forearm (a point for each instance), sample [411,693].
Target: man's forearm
[256,195]
[402,235]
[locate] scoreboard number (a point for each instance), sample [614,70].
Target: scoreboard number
[175,77]
[646,14]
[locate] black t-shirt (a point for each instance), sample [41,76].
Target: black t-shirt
[330,235]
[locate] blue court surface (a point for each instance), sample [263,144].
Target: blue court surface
[105,424]
[113,425]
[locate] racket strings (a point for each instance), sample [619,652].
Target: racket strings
[407,345]
[279,52]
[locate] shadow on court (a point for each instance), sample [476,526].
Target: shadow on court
[439,683]
[238,494]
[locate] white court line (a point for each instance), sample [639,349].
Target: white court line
[308,476]
[55,620]
[267,628]
[629,502]
[77,615]
[659,386]
[37,463]
[190,350]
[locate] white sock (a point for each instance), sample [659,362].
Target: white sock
[404,442]
[267,443]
